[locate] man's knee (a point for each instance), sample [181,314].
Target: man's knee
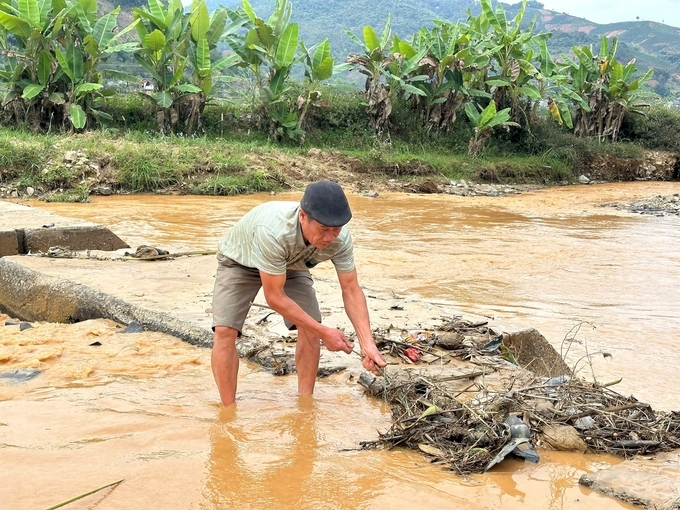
[225,335]
[307,336]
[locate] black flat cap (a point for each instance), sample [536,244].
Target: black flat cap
[326,203]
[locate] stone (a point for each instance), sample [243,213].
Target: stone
[563,438]
[104,191]
[20,375]
[583,179]
[71,155]
[133,327]
[30,191]
[449,340]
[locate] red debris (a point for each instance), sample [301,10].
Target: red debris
[412,354]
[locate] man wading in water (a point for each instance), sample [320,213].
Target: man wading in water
[273,246]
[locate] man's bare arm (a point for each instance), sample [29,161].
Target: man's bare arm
[333,339]
[357,311]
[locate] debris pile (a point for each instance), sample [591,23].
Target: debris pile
[469,419]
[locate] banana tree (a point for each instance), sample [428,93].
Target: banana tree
[164,33]
[606,88]
[447,75]
[319,67]
[511,55]
[483,124]
[80,60]
[206,31]
[372,64]
[268,49]
[52,69]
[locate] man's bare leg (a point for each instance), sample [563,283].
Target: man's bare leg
[224,362]
[307,352]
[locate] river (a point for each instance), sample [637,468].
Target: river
[552,259]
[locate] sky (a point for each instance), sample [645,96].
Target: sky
[612,11]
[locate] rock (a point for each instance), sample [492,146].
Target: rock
[104,191]
[545,408]
[133,327]
[532,351]
[30,191]
[449,340]
[583,179]
[71,156]
[563,438]
[20,375]
[373,385]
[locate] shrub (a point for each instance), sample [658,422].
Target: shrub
[658,130]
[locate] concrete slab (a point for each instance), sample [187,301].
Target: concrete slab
[649,482]
[24,229]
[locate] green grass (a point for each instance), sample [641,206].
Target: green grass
[233,157]
[252,182]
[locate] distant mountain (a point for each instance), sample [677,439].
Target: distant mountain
[653,45]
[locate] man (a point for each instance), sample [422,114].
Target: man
[273,246]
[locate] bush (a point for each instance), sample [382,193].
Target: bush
[658,130]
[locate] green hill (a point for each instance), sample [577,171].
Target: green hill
[653,45]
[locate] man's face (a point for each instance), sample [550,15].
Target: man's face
[316,234]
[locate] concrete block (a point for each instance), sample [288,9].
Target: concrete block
[88,237]
[9,243]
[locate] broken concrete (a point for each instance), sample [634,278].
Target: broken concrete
[32,296]
[24,229]
[532,351]
[88,237]
[9,243]
[653,484]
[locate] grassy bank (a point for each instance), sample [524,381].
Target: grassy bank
[232,157]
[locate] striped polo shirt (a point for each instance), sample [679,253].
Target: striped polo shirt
[269,238]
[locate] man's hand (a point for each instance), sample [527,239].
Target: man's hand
[335,340]
[372,359]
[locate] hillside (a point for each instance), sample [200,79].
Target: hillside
[653,45]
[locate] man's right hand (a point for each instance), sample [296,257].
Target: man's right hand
[335,340]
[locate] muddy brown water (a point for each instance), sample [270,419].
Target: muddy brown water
[144,408]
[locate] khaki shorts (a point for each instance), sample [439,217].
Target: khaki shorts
[236,287]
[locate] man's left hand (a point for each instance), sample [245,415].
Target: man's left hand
[372,359]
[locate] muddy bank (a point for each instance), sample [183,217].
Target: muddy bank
[659,205]
[282,171]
